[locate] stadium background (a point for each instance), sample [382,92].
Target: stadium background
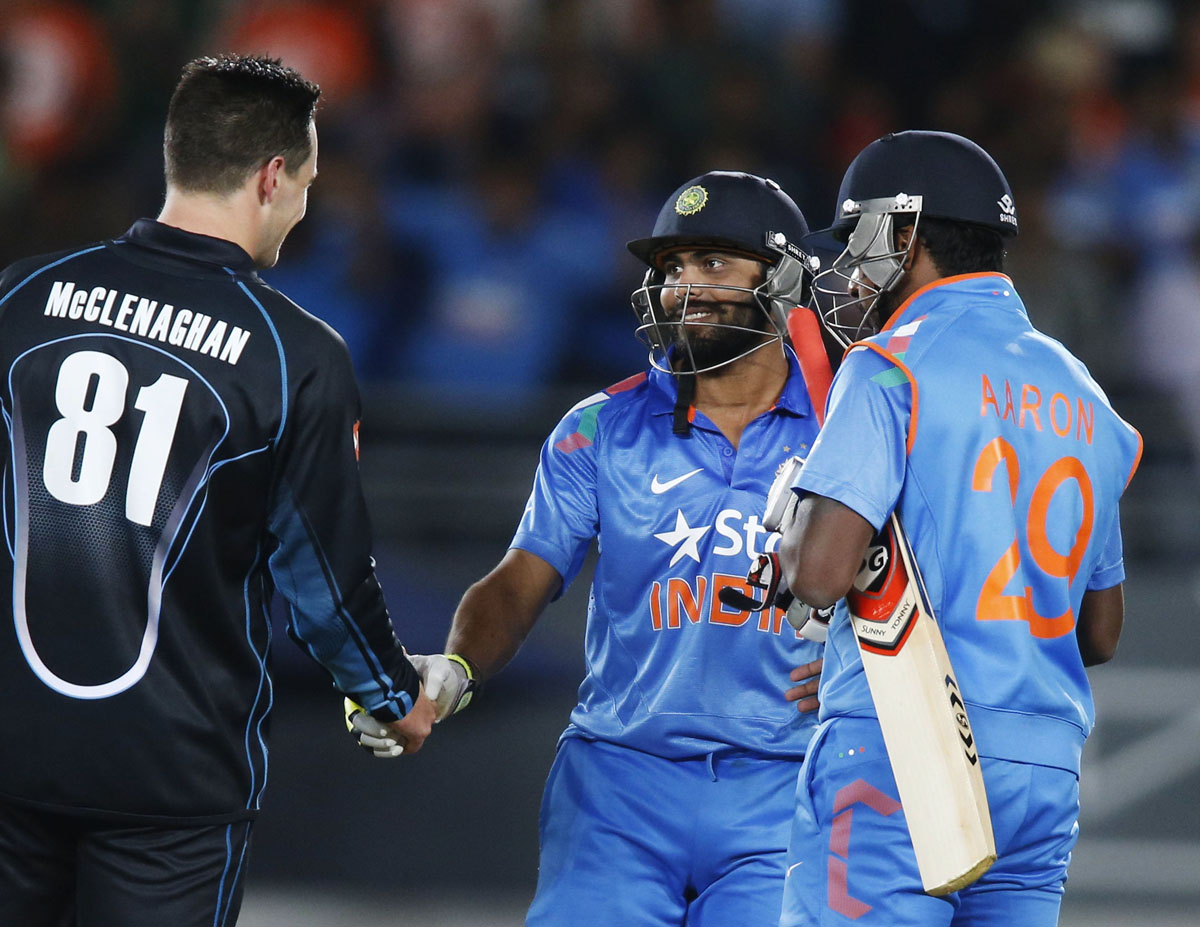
[482,163]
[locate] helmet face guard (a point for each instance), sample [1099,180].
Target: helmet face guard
[870,265]
[670,334]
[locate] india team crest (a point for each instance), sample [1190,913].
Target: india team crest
[691,201]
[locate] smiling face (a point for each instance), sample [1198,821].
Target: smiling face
[709,303]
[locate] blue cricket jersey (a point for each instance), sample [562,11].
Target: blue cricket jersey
[1005,462]
[671,670]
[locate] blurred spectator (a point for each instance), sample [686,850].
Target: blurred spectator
[488,158]
[507,275]
[60,81]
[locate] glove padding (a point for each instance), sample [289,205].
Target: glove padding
[782,500]
[370,733]
[812,623]
[449,681]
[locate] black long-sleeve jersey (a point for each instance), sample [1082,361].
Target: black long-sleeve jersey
[181,441]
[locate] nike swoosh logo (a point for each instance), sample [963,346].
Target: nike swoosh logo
[658,488]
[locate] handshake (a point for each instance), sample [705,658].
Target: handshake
[448,681]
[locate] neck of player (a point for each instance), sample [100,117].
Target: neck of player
[734,395]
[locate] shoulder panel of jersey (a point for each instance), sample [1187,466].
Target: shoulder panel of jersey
[578,427]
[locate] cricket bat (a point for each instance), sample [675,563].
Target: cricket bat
[921,713]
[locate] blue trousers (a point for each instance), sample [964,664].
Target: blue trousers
[851,862]
[635,840]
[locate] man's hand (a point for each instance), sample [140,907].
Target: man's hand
[449,681]
[805,694]
[411,730]
[371,734]
[395,737]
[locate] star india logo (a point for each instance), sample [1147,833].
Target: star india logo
[686,537]
[691,201]
[1008,209]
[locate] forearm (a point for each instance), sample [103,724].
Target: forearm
[1101,616]
[497,613]
[822,549]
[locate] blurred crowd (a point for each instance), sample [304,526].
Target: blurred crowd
[482,162]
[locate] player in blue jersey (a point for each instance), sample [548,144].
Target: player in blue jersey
[1005,462]
[671,793]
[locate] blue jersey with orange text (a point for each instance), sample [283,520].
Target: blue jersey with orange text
[670,669]
[1005,463]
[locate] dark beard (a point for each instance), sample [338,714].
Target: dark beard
[711,345]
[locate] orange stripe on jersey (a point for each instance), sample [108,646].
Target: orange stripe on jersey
[957,278]
[1136,460]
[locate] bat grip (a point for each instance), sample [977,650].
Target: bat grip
[735,598]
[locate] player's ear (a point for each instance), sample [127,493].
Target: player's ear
[904,238]
[267,180]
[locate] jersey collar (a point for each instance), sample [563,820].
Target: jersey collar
[992,283]
[166,238]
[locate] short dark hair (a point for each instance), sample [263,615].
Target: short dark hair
[961,247]
[230,115]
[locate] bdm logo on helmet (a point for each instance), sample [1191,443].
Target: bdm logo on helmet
[691,201]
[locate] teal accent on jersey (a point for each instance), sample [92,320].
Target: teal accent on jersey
[670,670]
[1009,496]
[587,420]
[893,376]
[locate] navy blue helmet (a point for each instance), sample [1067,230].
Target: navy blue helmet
[728,211]
[893,182]
[954,177]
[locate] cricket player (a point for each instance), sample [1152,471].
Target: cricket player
[670,797]
[1005,462]
[180,440]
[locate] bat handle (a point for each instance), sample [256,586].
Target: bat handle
[735,598]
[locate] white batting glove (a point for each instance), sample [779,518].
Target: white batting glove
[449,681]
[812,623]
[370,733]
[782,500]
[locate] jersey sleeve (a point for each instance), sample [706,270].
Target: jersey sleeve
[562,515]
[1110,568]
[322,562]
[867,419]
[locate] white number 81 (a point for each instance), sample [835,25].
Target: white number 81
[161,402]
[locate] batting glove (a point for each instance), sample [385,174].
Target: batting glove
[782,500]
[812,623]
[449,681]
[370,734]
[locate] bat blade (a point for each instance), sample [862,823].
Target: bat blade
[922,716]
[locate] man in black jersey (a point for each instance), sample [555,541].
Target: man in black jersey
[180,441]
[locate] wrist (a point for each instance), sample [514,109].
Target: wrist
[467,664]
[471,683]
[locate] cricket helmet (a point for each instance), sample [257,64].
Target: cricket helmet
[728,211]
[910,174]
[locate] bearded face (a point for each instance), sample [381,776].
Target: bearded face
[710,309]
[714,332]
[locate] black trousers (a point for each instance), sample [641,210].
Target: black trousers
[65,871]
